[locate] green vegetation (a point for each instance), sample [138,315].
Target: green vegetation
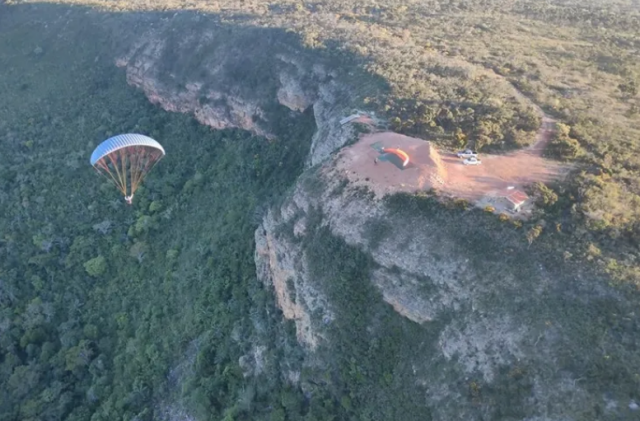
[368,365]
[112,312]
[383,366]
[598,333]
[105,308]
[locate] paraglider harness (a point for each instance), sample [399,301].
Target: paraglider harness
[128,199]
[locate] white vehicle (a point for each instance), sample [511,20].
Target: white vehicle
[472,161]
[467,154]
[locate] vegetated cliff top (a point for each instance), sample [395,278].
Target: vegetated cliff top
[490,325]
[578,60]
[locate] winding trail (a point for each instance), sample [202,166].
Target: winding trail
[547,125]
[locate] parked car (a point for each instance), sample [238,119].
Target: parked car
[468,153]
[472,161]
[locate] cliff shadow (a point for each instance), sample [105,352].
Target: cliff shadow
[220,56]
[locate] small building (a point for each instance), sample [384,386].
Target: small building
[516,199]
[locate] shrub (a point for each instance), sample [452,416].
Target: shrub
[544,196]
[563,146]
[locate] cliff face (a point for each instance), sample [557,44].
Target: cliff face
[415,280]
[281,263]
[228,77]
[493,322]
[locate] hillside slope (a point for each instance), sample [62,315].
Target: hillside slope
[493,328]
[263,284]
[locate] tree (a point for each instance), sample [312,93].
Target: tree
[79,356]
[80,250]
[277,415]
[96,266]
[529,120]
[544,196]
[396,124]
[563,145]
[566,147]
[460,138]
[155,206]
[533,233]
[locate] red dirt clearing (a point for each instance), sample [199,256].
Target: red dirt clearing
[476,183]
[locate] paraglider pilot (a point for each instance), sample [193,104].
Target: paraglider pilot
[125,160]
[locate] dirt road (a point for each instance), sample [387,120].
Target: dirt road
[497,176]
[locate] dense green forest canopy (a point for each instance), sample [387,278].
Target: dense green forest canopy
[98,300]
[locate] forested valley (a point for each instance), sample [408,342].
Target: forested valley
[100,301]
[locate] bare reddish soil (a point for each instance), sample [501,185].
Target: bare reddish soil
[496,177]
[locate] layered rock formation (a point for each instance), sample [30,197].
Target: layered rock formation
[239,79]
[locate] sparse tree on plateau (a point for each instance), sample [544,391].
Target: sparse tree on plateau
[533,233]
[545,197]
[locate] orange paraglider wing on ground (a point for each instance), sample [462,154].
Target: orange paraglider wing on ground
[399,153]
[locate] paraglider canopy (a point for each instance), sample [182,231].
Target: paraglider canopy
[126,159]
[404,157]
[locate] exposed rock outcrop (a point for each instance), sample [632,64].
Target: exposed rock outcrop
[281,264]
[216,87]
[425,274]
[407,264]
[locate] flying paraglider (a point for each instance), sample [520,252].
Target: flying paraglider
[126,159]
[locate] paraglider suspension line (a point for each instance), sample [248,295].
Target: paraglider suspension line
[137,164]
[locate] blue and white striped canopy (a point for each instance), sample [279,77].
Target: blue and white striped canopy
[122,141]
